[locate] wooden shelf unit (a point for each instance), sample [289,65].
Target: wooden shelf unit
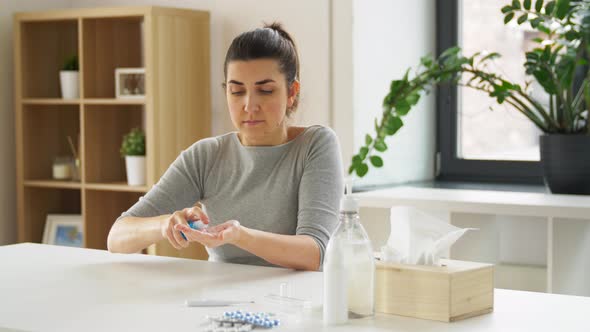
[173,47]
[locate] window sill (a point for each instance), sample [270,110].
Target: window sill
[497,199]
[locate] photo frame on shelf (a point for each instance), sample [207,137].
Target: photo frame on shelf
[64,230]
[130,83]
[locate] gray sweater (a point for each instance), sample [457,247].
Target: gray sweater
[292,188]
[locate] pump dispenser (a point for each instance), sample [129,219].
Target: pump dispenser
[347,202]
[349,267]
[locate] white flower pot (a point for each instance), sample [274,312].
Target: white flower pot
[135,166]
[69,84]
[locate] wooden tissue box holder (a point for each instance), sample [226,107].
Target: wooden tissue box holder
[454,291]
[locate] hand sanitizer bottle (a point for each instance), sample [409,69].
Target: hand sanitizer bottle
[349,267]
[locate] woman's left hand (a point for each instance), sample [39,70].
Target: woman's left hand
[227,232]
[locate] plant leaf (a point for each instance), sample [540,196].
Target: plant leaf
[535,23]
[426,61]
[508,17]
[362,169]
[380,146]
[450,51]
[413,98]
[402,107]
[368,139]
[356,160]
[527,4]
[490,56]
[363,153]
[522,19]
[544,29]
[395,88]
[539,5]
[351,169]
[515,4]
[506,9]
[549,7]
[376,161]
[562,8]
[393,124]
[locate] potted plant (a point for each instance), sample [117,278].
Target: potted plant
[133,149]
[561,54]
[68,78]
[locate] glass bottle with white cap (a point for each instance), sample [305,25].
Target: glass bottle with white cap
[349,267]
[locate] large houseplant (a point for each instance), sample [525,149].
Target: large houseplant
[560,56]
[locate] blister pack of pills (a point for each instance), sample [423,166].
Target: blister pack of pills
[237,321]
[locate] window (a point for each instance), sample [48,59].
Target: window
[476,143]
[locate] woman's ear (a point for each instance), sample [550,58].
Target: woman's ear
[293,92]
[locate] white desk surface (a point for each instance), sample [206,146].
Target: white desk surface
[480,201]
[50,288]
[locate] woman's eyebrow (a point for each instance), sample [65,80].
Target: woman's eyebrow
[268,80]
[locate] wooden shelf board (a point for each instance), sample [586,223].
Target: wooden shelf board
[53,184]
[50,101]
[116,186]
[86,13]
[113,101]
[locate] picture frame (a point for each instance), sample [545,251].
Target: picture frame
[130,83]
[64,230]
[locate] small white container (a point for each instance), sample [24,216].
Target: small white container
[135,166]
[62,168]
[69,84]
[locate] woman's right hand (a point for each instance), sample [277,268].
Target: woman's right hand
[181,217]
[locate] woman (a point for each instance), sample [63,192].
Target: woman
[269,192]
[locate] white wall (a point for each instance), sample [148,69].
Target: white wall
[388,38]
[7,139]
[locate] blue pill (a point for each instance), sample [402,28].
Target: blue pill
[276,322]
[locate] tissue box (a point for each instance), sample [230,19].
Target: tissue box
[454,291]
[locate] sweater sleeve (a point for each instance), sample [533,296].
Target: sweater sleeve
[320,189]
[180,187]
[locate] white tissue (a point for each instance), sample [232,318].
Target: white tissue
[418,238]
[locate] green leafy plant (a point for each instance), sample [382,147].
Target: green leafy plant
[133,143]
[71,63]
[562,52]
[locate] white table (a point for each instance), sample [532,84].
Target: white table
[50,288]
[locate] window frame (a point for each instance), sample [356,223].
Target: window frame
[449,166]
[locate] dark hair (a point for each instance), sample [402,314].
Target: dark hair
[270,42]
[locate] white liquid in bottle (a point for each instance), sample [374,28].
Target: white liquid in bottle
[349,269]
[361,280]
[335,290]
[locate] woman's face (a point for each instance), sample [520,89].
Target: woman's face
[258,98]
